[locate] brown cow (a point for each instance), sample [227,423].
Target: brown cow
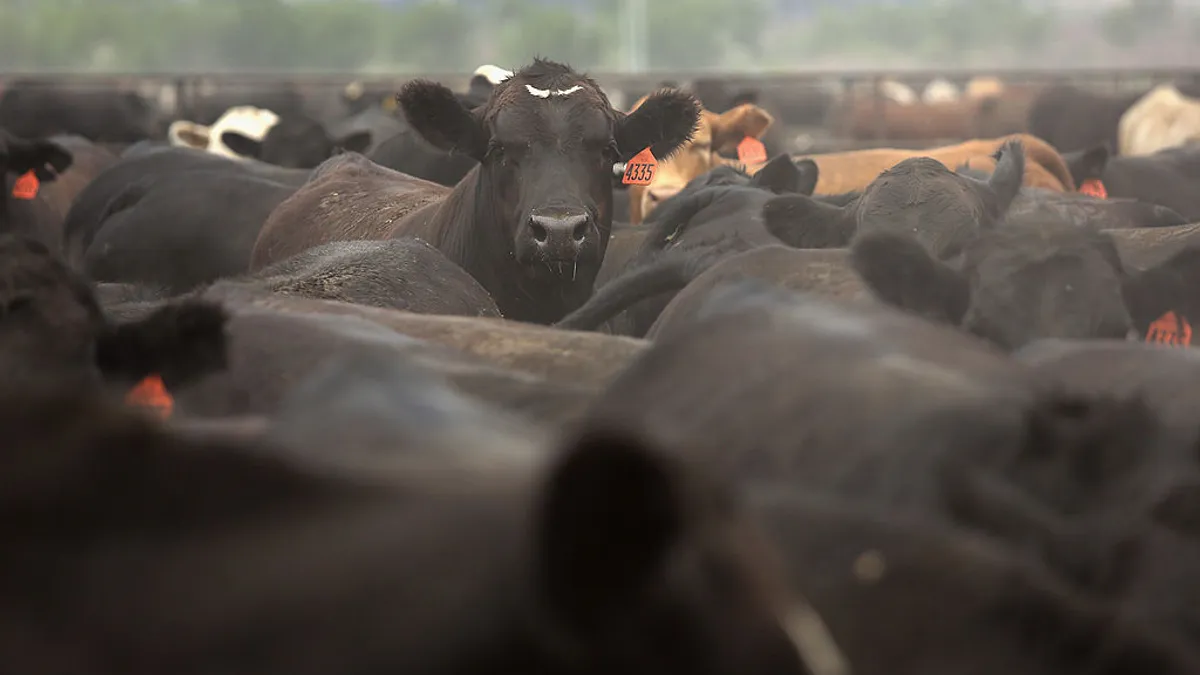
[852,171]
[715,134]
[532,221]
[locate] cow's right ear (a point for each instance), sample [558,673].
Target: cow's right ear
[803,222]
[902,273]
[441,119]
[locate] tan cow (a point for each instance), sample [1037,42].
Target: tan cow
[850,171]
[1163,118]
[715,133]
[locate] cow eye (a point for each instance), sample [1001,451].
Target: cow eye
[495,151]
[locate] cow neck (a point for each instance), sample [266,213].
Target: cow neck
[473,233]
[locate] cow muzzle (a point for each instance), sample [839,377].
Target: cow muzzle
[559,233]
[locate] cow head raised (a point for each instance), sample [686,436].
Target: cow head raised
[547,140]
[715,134]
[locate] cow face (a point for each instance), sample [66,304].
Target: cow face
[547,140]
[715,134]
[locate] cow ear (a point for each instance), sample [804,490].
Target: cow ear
[1008,176]
[241,144]
[186,134]
[1088,164]
[46,159]
[904,274]
[731,126]
[442,120]
[803,222]
[1166,287]
[357,141]
[179,342]
[597,553]
[663,122]
[783,176]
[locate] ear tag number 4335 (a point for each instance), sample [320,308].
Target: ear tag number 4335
[640,169]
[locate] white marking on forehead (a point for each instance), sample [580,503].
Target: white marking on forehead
[547,93]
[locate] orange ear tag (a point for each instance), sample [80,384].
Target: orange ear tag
[1170,329]
[751,151]
[640,169]
[26,186]
[1094,187]
[152,393]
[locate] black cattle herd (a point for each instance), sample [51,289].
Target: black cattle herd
[435,410]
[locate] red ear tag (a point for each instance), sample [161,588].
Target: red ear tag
[152,393]
[1094,187]
[1170,329]
[640,169]
[751,151]
[26,186]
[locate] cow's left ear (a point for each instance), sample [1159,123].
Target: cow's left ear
[46,159]
[663,122]
[731,126]
[442,120]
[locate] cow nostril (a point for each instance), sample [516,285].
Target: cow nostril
[580,231]
[539,232]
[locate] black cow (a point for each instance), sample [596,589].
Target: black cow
[36,109]
[906,597]
[131,178]
[532,222]
[1167,177]
[296,142]
[802,394]
[1072,119]
[516,573]
[184,229]
[407,152]
[1017,283]
[716,214]
[919,197]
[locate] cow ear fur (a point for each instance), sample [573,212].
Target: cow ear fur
[437,115]
[663,122]
[803,222]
